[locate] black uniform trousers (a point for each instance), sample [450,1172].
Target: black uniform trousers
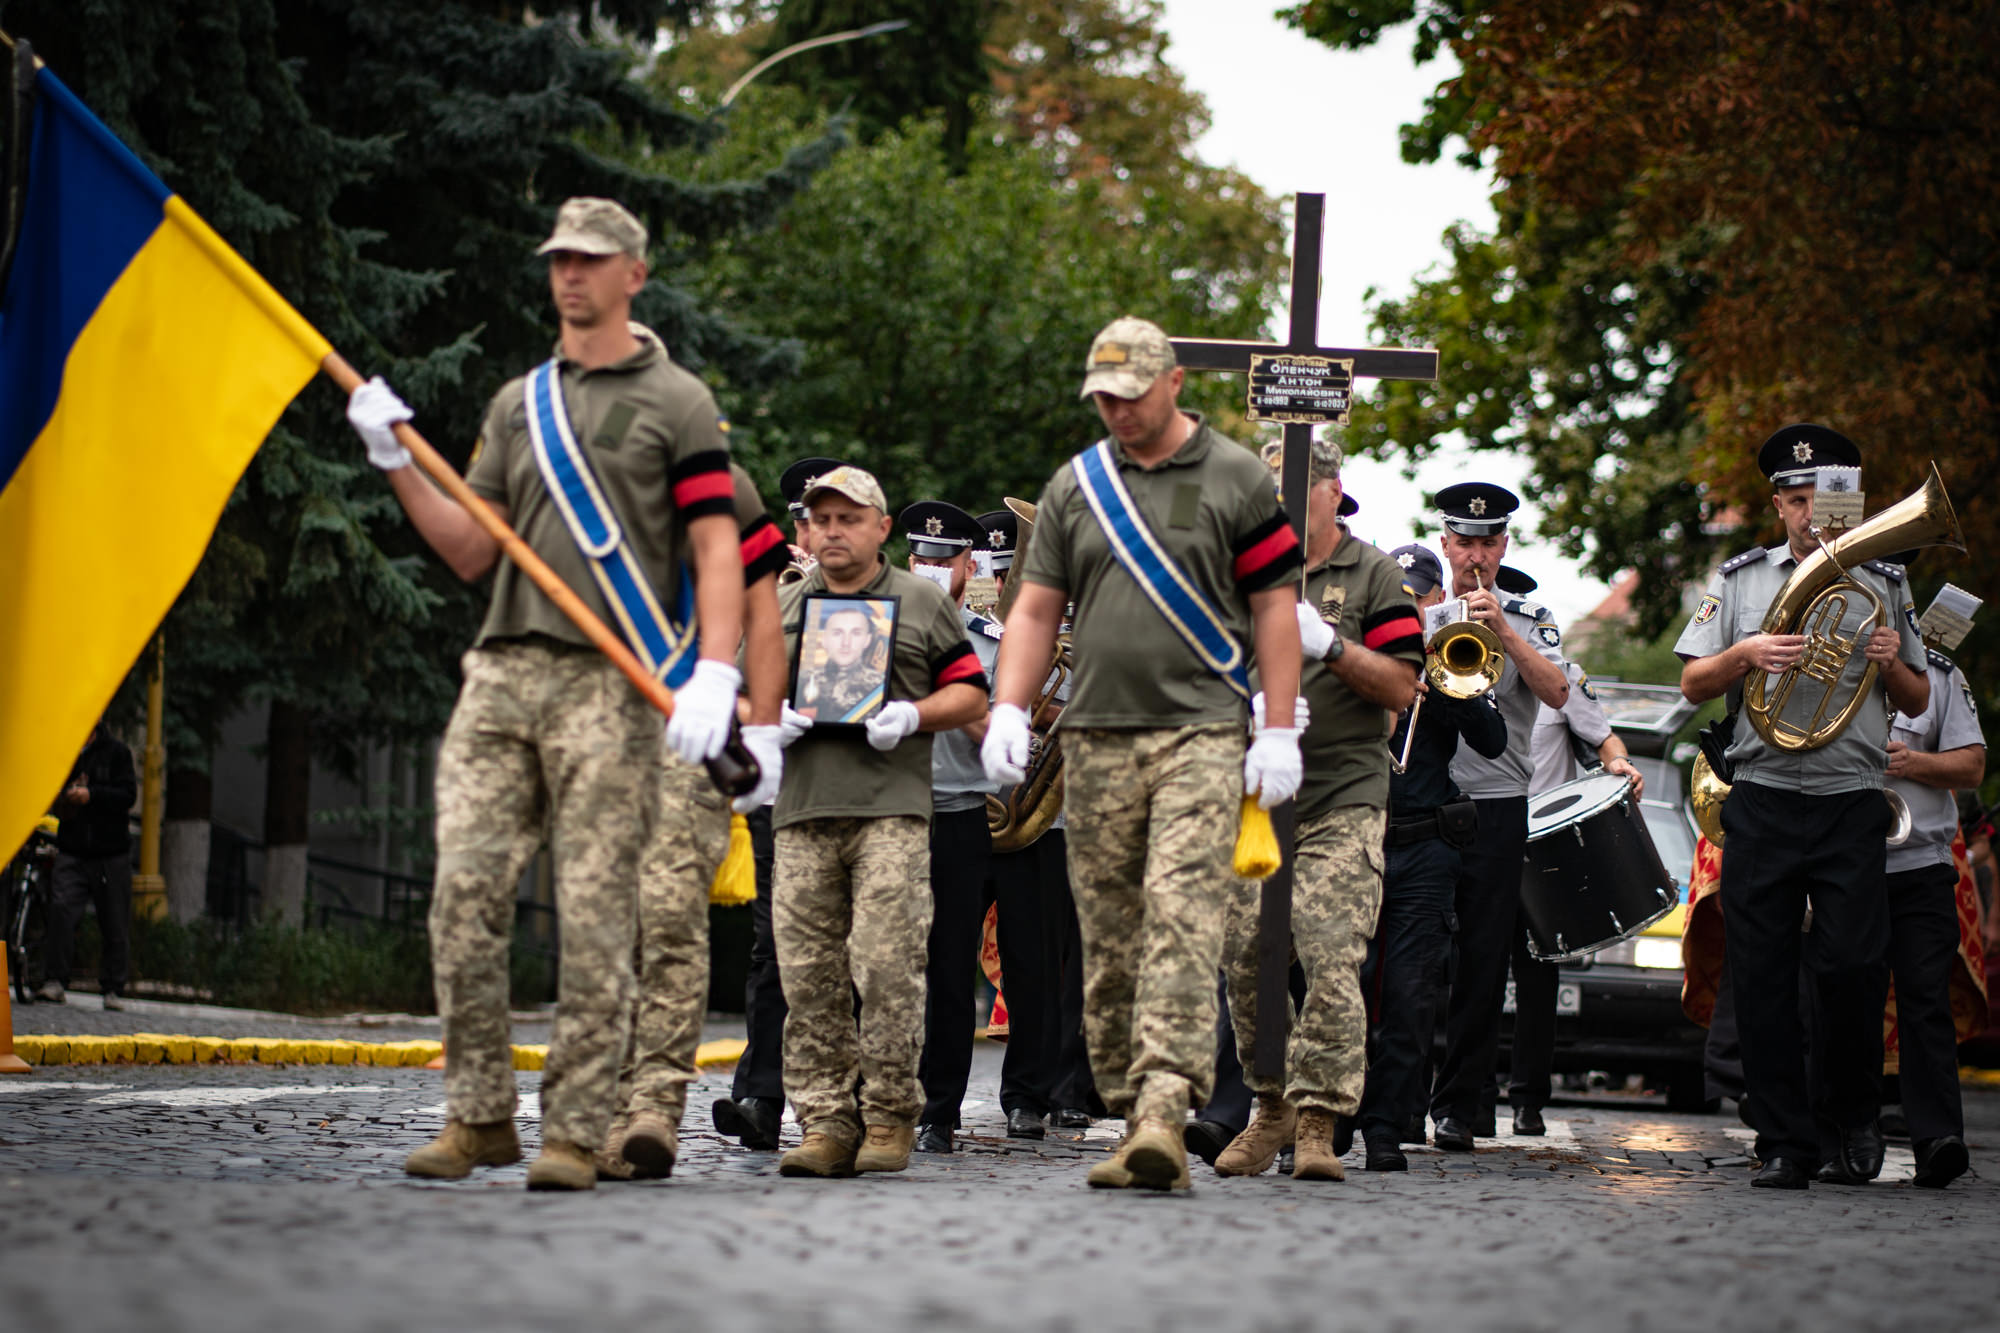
[1533,1054]
[1923,943]
[1783,849]
[103,883]
[1031,888]
[1073,1086]
[1403,979]
[961,847]
[1488,901]
[761,1071]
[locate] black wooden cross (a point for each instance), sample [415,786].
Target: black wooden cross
[1260,361]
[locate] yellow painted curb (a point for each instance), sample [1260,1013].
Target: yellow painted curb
[155,1048]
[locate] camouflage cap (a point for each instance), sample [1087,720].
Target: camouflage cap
[589,226]
[851,482]
[1126,358]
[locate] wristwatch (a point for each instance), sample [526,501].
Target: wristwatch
[1336,648]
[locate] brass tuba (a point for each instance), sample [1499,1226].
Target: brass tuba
[1707,792]
[1815,600]
[1024,812]
[1463,660]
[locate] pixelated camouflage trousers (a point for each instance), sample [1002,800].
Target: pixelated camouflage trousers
[1152,823]
[544,741]
[690,836]
[850,910]
[1336,897]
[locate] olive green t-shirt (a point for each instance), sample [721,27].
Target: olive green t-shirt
[1212,507]
[1359,591]
[834,773]
[659,449]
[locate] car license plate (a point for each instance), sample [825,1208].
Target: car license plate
[1569,999]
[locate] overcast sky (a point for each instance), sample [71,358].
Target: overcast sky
[1295,115]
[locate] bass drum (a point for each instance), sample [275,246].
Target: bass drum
[1592,876]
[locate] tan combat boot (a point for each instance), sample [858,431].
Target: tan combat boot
[453,1154]
[1314,1159]
[818,1155]
[562,1166]
[1252,1152]
[650,1145]
[1156,1156]
[1112,1173]
[885,1149]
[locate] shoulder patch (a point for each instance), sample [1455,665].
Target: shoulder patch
[1583,683]
[1750,557]
[1940,661]
[1893,573]
[1521,606]
[1549,635]
[1707,611]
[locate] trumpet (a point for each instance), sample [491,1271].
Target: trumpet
[1462,660]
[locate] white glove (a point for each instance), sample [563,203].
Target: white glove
[1005,750]
[792,724]
[893,721]
[703,709]
[1273,769]
[1315,635]
[767,747]
[373,409]
[1301,712]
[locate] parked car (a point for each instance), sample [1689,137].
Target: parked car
[1619,1010]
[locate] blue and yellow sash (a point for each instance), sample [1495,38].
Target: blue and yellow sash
[1165,584]
[665,644]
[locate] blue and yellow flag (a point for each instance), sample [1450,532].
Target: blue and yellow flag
[141,364]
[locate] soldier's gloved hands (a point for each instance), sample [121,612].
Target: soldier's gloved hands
[1301,712]
[766,745]
[1315,635]
[703,710]
[893,721]
[373,409]
[1273,769]
[792,724]
[1004,752]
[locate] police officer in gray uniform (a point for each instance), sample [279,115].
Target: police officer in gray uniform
[1930,755]
[1809,824]
[1487,898]
[941,537]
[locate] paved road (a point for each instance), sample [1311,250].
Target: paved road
[221,1198]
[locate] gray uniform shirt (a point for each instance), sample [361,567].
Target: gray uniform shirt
[1949,723]
[958,779]
[1733,609]
[1549,748]
[1488,779]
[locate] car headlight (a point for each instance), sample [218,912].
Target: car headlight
[1656,951]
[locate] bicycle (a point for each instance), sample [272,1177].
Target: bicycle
[29,883]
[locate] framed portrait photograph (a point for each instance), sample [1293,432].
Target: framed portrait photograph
[840,666]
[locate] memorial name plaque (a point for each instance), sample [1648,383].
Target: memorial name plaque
[1305,389]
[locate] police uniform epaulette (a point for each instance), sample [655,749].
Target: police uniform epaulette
[981,625]
[1894,573]
[1749,557]
[1521,606]
[1940,661]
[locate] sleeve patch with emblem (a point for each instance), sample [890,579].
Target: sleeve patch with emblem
[1549,635]
[1707,610]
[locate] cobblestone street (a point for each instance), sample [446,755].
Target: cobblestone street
[232,1197]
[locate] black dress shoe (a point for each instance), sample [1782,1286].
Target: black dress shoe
[1863,1150]
[1452,1135]
[1781,1173]
[1940,1161]
[1484,1127]
[1071,1117]
[1894,1125]
[1025,1124]
[1528,1121]
[1415,1130]
[1343,1134]
[934,1138]
[1207,1138]
[753,1121]
[1385,1155]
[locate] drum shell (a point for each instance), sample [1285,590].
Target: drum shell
[1592,880]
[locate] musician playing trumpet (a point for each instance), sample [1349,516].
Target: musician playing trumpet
[1806,823]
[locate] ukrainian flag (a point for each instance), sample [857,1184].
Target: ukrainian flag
[141,364]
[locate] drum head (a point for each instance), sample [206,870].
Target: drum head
[1560,807]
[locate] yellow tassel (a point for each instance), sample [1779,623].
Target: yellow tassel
[736,878]
[1256,843]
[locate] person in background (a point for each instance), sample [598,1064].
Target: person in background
[93,867]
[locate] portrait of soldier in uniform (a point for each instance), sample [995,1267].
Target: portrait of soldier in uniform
[844,657]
